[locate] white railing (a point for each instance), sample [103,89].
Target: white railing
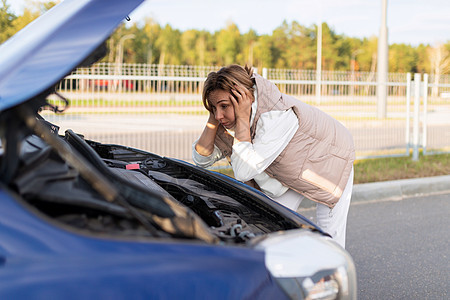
[158,107]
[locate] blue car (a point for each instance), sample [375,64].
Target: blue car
[80,219]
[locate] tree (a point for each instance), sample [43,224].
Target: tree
[168,43]
[423,63]
[439,56]
[367,58]
[204,46]
[336,50]
[291,45]
[305,44]
[228,44]
[300,52]
[280,45]
[6,20]
[248,41]
[188,46]
[262,52]
[151,31]
[402,58]
[44,6]
[356,51]
[11,24]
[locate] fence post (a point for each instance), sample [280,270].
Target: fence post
[425,112]
[318,86]
[408,112]
[415,156]
[264,73]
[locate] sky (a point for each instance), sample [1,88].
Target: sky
[409,21]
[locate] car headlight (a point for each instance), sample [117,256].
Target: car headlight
[307,266]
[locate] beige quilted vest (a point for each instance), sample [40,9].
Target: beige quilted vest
[318,160]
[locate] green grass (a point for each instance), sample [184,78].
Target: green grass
[99,102]
[126,112]
[394,168]
[122,99]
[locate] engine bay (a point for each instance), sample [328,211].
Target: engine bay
[176,199]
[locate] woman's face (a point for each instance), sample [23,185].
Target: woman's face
[222,108]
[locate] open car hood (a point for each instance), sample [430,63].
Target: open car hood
[55,44]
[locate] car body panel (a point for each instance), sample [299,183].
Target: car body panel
[40,259]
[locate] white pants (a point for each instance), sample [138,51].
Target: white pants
[332,221]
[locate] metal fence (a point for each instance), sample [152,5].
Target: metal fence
[158,107]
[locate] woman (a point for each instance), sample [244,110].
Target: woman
[288,149]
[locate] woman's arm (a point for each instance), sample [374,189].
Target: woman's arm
[242,102]
[204,152]
[274,131]
[205,144]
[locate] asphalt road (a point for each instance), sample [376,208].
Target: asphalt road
[401,249]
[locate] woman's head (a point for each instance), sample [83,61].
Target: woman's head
[225,79]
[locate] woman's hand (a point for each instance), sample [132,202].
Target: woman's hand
[242,101]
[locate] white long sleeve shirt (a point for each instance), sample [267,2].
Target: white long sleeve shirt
[274,131]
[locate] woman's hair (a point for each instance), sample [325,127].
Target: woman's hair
[225,79]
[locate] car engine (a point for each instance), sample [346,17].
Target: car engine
[174,198]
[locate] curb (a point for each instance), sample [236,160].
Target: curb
[400,189]
[395,190]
